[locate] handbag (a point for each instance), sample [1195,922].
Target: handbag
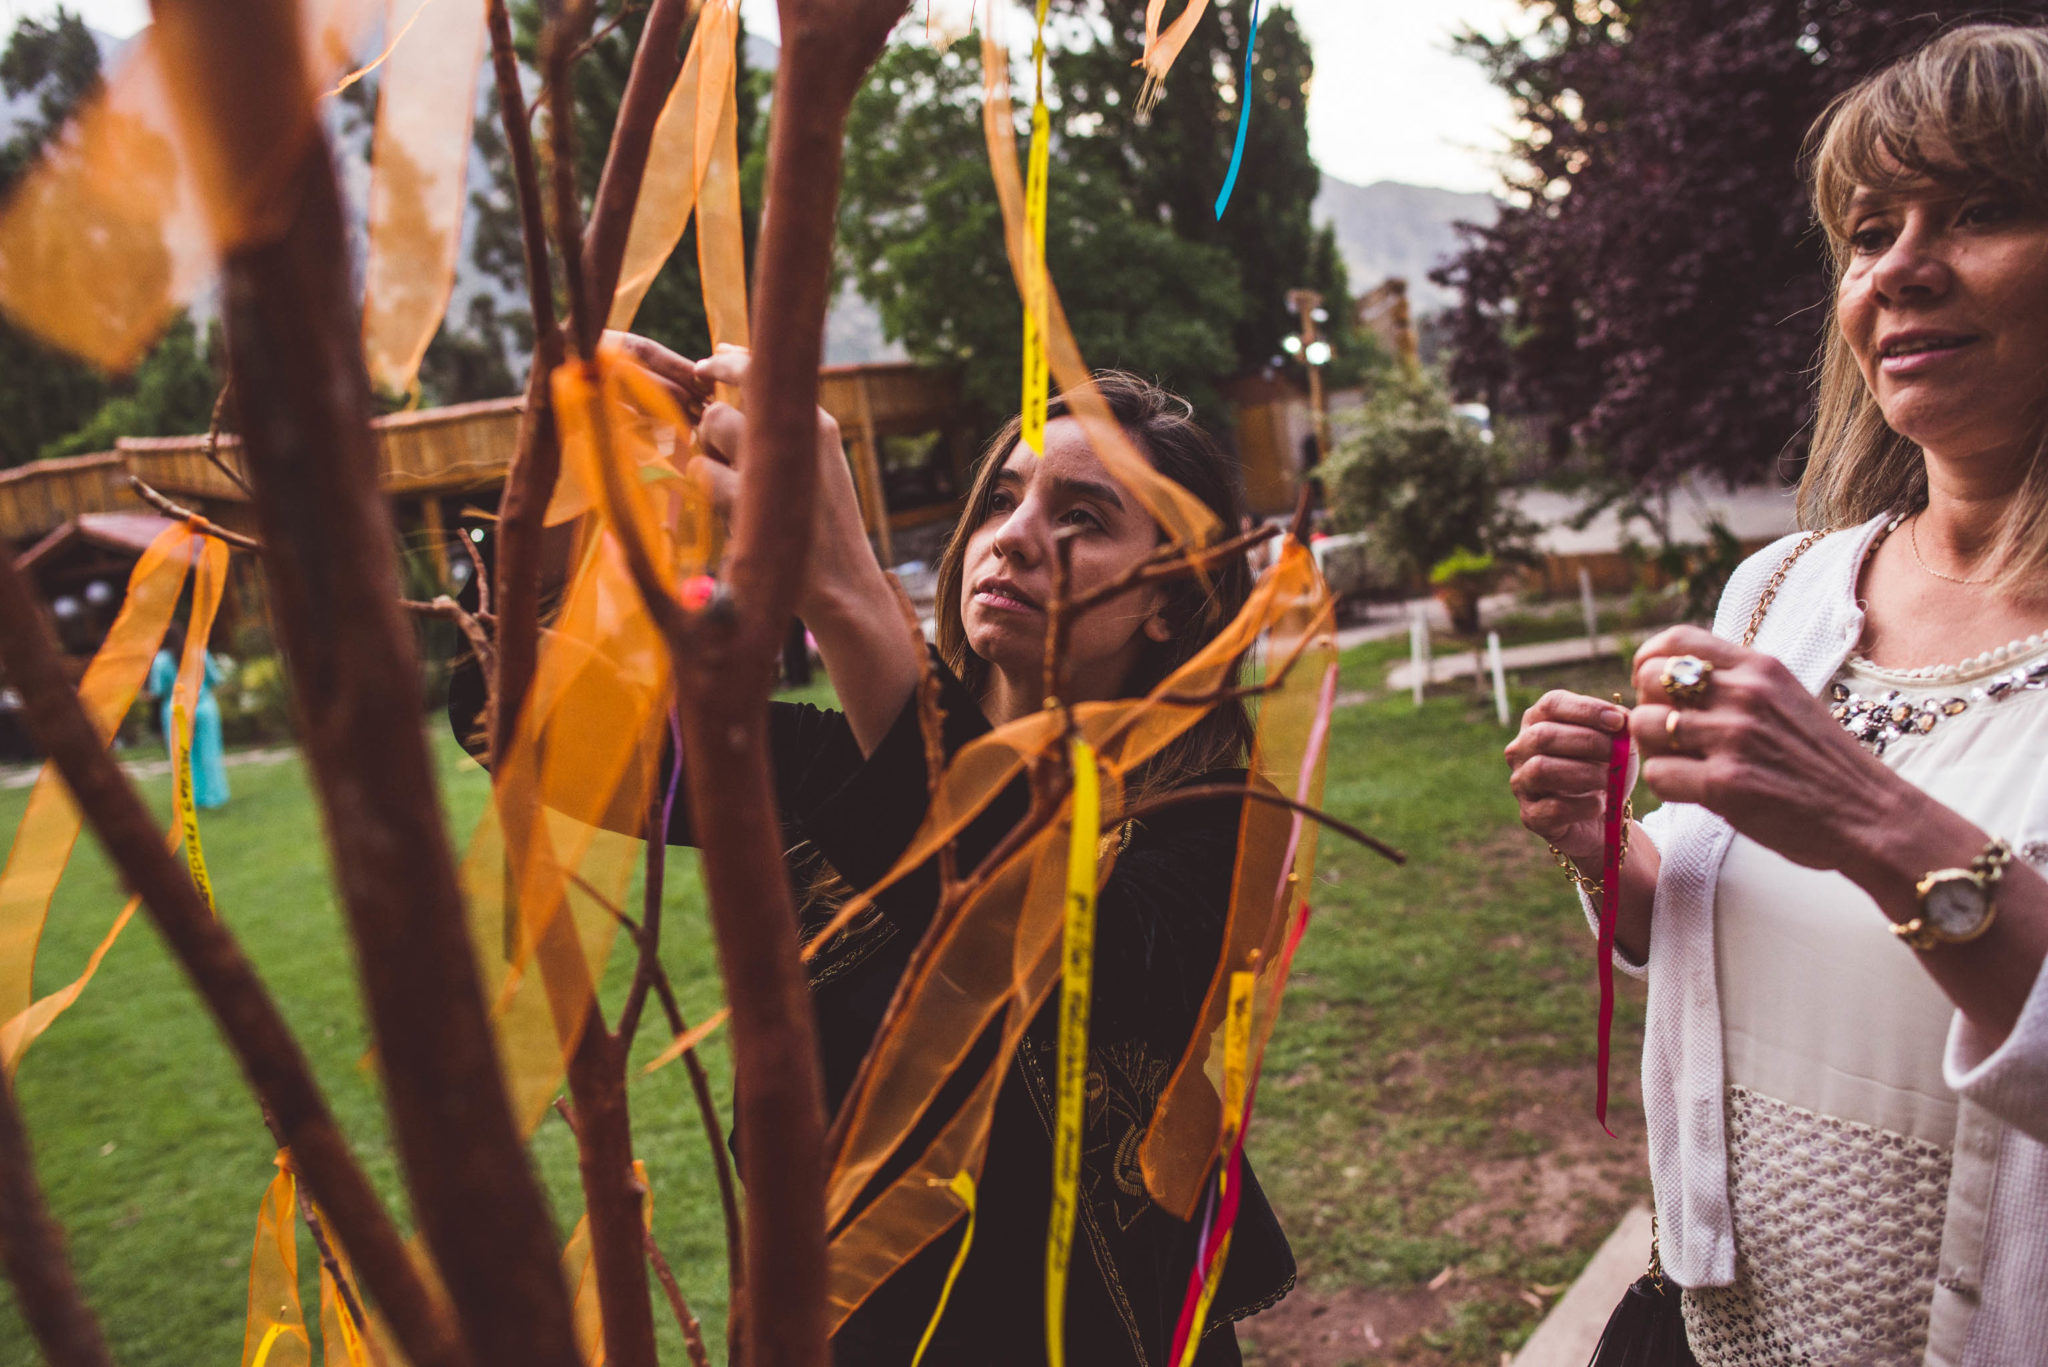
[1648,1328]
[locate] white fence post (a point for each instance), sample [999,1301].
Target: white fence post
[1592,613]
[1418,650]
[1500,678]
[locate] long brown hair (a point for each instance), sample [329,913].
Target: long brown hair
[1163,426]
[1967,110]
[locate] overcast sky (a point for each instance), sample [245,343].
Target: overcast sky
[1391,101]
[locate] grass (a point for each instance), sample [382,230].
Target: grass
[150,1149]
[1436,1043]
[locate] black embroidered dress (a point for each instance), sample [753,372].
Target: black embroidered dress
[1160,925]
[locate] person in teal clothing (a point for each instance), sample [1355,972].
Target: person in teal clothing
[209,763]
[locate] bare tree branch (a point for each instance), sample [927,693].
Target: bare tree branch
[32,1249]
[1204,792]
[183,514]
[536,463]
[330,561]
[656,64]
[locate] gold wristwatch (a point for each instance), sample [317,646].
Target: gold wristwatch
[1957,905]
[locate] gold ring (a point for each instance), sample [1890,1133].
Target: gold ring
[1671,728]
[1686,680]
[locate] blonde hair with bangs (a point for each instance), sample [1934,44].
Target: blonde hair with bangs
[1968,110]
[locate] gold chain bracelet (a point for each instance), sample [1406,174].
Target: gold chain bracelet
[1593,887]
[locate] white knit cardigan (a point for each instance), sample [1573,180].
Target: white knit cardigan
[1812,626]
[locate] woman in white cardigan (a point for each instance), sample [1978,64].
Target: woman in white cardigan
[1840,906]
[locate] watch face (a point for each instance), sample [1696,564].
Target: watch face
[1954,906]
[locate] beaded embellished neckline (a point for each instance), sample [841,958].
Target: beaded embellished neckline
[1990,662]
[1884,715]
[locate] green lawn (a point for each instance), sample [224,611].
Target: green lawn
[1425,1119]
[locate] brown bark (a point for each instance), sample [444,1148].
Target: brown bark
[656,64]
[248,1018]
[779,1098]
[32,1248]
[537,461]
[612,1194]
[331,564]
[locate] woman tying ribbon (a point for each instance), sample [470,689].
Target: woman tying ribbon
[852,789]
[1840,907]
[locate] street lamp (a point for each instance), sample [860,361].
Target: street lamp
[1305,344]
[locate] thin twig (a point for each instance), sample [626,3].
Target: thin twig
[542,96]
[179,512]
[693,1333]
[714,1136]
[32,1250]
[648,940]
[656,64]
[1271,684]
[931,726]
[212,446]
[536,462]
[559,42]
[1170,564]
[448,609]
[314,1227]
[583,885]
[1203,792]
[477,577]
[350,1304]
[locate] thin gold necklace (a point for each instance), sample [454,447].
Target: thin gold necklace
[1913,539]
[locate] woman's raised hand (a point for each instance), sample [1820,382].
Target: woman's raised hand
[846,600]
[1557,769]
[1760,752]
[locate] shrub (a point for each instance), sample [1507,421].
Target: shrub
[1422,483]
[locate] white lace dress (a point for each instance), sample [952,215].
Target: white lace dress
[1840,1129]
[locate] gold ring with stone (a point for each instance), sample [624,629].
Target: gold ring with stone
[1686,680]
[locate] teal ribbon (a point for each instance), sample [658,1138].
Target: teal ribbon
[1244,116]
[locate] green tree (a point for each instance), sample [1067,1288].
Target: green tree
[43,393]
[922,233]
[1152,280]
[170,394]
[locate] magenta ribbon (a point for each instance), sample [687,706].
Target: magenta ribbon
[1610,910]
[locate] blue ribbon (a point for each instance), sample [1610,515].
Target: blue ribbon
[1244,116]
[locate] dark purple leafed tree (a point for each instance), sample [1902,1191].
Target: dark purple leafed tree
[1656,298]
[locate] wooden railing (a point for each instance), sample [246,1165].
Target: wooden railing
[40,497]
[441,451]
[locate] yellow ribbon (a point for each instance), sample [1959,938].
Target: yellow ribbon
[188,809]
[961,1186]
[1237,1040]
[1037,355]
[1077,970]
[49,828]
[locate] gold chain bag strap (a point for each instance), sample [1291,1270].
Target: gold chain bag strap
[1777,581]
[1648,1328]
